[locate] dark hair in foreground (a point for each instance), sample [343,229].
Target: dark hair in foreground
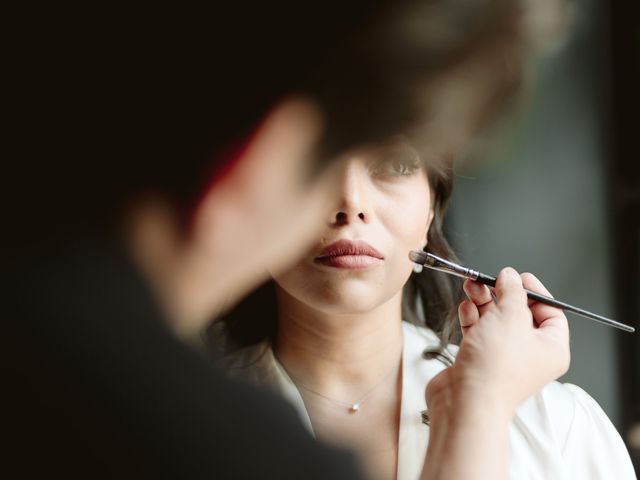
[127,102]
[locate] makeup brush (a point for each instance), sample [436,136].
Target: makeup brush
[434,262]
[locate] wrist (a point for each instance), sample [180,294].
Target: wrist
[468,435]
[460,400]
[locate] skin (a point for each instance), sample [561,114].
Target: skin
[340,329]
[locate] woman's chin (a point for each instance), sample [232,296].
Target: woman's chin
[348,301]
[345,308]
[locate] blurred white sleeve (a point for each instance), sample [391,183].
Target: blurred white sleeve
[593,448]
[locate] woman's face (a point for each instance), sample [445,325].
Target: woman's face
[361,260]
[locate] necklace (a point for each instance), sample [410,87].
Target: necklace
[353,407]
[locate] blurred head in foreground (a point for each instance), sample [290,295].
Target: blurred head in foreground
[212,146]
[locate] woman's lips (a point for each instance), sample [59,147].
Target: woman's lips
[350,254]
[350,261]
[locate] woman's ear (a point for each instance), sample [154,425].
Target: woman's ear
[426,233]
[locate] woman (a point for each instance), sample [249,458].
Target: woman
[356,372]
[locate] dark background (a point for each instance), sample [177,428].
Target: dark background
[561,198]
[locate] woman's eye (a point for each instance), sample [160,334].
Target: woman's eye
[405,167]
[396,166]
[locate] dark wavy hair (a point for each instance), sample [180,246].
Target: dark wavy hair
[153,104]
[430,298]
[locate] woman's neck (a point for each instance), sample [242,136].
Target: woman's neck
[340,355]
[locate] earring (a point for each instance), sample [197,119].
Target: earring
[417,268]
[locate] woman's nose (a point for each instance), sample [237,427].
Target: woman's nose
[354,199]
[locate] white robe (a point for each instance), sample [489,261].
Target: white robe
[559,433]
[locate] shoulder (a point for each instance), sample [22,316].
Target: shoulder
[567,427]
[551,411]
[565,406]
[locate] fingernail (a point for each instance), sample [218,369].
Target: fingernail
[510,272]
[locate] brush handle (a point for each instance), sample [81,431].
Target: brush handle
[434,262]
[491,282]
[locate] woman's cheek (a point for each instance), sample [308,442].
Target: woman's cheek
[410,227]
[419,224]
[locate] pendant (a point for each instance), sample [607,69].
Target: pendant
[354,408]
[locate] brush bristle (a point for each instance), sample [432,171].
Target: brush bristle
[418,257]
